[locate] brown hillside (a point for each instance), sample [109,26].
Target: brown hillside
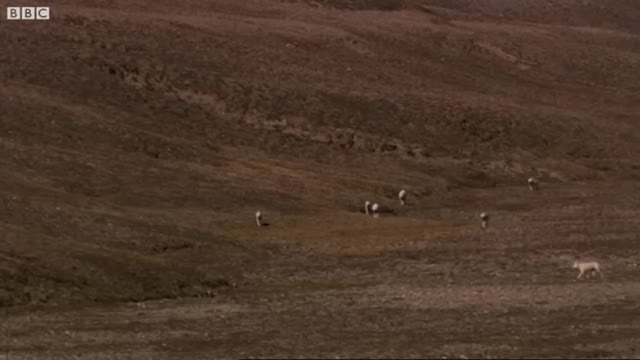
[221,106]
[139,138]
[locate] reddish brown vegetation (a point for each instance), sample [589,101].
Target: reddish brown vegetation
[140,137]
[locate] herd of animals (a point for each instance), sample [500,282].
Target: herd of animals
[588,268]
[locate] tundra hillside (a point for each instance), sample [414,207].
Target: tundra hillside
[139,138]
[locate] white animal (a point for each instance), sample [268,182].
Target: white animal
[367,204]
[259,218]
[590,268]
[375,208]
[402,195]
[485,220]
[533,184]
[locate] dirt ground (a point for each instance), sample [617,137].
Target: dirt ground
[139,138]
[447,289]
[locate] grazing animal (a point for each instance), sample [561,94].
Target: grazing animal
[589,268]
[259,218]
[367,205]
[375,208]
[485,220]
[533,184]
[402,195]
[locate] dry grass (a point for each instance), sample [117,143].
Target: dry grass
[139,139]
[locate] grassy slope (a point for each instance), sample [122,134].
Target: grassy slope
[140,139]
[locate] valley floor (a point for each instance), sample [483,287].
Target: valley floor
[453,291]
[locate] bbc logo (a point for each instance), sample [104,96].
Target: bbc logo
[28,13]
